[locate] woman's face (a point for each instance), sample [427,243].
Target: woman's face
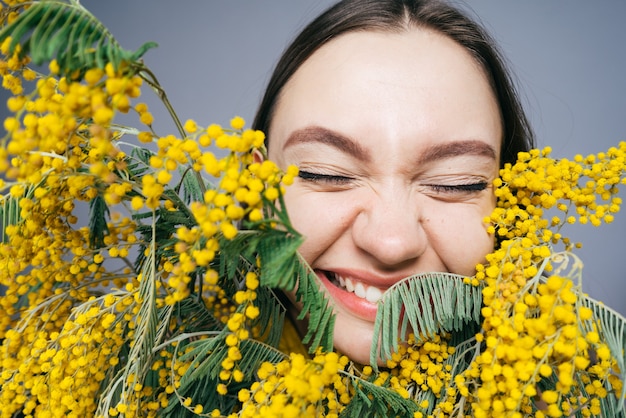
[397,137]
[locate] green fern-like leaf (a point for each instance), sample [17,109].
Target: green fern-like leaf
[151,328]
[146,331]
[195,317]
[193,187]
[98,211]
[67,32]
[282,268]
[205,358]
[138,163]
[370,400]
[321,322]
[464,354]
[271,318]
[429,304]
[611,326]
[9,215]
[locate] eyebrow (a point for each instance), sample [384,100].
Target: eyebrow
[349,146]
[328,137]
[457,148]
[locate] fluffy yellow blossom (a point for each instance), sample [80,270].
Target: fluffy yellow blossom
[128,312]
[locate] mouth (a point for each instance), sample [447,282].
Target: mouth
[369,293]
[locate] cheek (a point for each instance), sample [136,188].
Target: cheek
[459,237]
[320,218]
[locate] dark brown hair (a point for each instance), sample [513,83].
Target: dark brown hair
[397,15]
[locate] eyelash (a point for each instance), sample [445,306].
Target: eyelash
[439,188]
[323,178]
[459,188]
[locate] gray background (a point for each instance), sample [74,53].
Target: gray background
[215,56]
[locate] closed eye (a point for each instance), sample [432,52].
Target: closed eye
[459,188]
[324,178]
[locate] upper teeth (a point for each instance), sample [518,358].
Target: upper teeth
[370,293]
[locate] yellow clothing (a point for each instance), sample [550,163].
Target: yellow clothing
[290,341]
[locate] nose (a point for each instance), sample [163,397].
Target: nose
[389,229]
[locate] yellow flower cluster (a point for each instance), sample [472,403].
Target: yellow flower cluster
[538,183]
[539,352]
[13,70]
[62,148]
[537,336]
[421,367]
[327,383]
[43,160]
[136,311]
[59,373]
[245,187]
[298,387]
[237,325]
[538,341]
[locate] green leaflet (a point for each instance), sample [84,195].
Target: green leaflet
[370,400]
[196,320]
[609,324]
[611,327]
[193,188]
[429,303]
[317,307]
[138,163]
[194,315]
[281,268]
[10,211]
[67,32]
[149,330]
[271,319]
[9,215]
[98,211]
[206,357]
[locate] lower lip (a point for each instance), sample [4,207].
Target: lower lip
[351,302]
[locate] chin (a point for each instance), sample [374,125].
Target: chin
[353,338]
[358,354]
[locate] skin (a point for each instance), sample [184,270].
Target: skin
[397,137]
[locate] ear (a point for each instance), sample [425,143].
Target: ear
[258,156]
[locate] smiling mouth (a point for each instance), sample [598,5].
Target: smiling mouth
[371,294]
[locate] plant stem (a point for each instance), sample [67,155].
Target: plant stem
[149,77]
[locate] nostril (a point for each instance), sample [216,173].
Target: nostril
[389,229]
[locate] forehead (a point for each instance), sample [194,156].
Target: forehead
[411,83]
